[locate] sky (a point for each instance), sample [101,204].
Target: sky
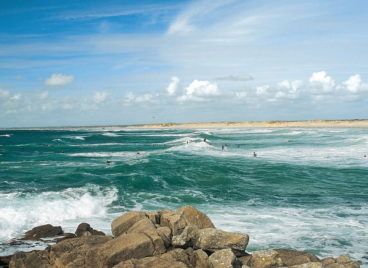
[67,62]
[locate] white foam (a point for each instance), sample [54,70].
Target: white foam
[321,229]
[6,135]
[109,134]
[22,211]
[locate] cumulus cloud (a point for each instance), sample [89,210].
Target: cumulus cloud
[173,86]
[321,81]
[289,89]
[262,90]
[59,79]
[99,97]
[354,83]
[235,78]
[199,90]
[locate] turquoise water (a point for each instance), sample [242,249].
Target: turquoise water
[307,189]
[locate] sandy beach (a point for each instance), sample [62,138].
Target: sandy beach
[358,123]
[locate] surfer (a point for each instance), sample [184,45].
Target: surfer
[223,147]
[138,153]
[254,154]
[108,162]
[205,140]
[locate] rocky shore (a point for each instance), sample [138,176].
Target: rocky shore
[163,239]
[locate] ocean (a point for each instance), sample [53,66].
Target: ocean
[306,189]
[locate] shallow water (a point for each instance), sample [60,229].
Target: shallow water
[307,189]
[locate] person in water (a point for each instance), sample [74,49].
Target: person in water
[205,140]
[223,147]
[254,154]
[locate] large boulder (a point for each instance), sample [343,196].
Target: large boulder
[122,224]
[177,258]
[340,262]
[146,226]
[211,239]
[84,229]
[33,259]
[182,217]
[200,259]
[43,231]
[78,252]
[293,257]
[265,259]
[125,247]
[165,234]
[224,258]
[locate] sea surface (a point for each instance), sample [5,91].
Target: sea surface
[306,189]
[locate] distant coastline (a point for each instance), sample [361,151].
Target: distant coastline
[345,123]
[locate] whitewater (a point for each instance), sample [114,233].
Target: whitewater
[307,188]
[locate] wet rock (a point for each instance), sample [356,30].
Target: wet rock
[65,236]
[33,259]
[4,261]
[224,258]
[124,222]
[211,239]
[43,231]
[84,229]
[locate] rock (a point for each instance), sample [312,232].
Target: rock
[42,231]
[293,257]
[78,252]
[4,261]
[125,247]
[124,222]
[245,260]
[224,258]
[194,217]
[211,239]
[147,227]
[65,236]
[165,234]
[340,262]
[185,216]
[33,259]
[174,221]
[308,265]
[265,259]
[84,229]
[153,216]
[187,238]
[200,259]
[174,259]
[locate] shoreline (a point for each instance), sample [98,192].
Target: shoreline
[345,123]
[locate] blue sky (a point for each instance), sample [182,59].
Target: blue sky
[127,62]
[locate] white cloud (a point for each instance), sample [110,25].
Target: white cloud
[59,79]
[198,90]
[321,81]
[99,97]
[262,90]
[289,89]
[173,86]
[354,83]
[131,98]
